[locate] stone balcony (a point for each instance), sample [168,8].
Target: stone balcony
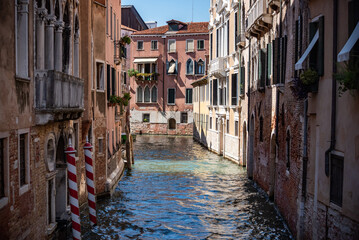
[258,20]
[241,40]
[274,4]
[58,97]
[218,66]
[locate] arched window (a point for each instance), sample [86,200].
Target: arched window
[66,36]
[288,143]
[154,94]
[172,67]
[200,67]
[172,124]
[76,48]
[147,94]
[139,94]
[189,66]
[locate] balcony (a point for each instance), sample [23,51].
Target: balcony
[147,76]
[59,97]
[241,40]
[218,66]
[258,20]
[274,4]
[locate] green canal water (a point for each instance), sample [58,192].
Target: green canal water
[179,190]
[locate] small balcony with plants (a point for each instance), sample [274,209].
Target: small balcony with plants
[120,49]
[143,77]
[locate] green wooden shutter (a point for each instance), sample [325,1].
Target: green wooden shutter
[313,27]
[275,61]
[167,66]
[262,67]
[176,70]
[320,57]
[269,63]
[243,81]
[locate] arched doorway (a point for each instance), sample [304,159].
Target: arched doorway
[244,147]
[172,124]
[272,166]
[61,180]
[251,148]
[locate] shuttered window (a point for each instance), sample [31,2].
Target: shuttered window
[189,96]
[262,68]
[316,56]
[22,156]
[336,179]
[234,89]
[113,81]
[171,96]
[190,45]
[171,45]
[243,81]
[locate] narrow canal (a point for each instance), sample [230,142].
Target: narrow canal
[179,190]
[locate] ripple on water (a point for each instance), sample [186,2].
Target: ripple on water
[179,190]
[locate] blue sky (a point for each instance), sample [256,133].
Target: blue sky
[164,10]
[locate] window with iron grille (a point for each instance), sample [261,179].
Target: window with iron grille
[184,117]
[336,179]
[23,158]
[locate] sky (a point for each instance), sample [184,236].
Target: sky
[164,10]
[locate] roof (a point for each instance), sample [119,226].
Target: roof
[192,27]
[128,28]
[138,16]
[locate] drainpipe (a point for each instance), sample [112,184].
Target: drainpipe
[163,73]
[334,87]
[277,89]
[248,87]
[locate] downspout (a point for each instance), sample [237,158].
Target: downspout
[248,86]
[277,89]
[334,100]
[163,74]
[334,87]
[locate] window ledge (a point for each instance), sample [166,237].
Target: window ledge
[172,52]
[140,49]
[100,90]
[3,202]
[335,207]
[190,51]
[154,49]
[24,189]
[171,104]
[22,79]
[51,228]
[202,49]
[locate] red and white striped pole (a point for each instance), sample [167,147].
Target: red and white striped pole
[90,182]
[74,197]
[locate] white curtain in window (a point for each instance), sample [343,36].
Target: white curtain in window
[189,66]
[172,67]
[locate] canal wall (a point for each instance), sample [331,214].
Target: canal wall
[162,129]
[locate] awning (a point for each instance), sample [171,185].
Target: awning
[299,64]
[345,52]
[145,60]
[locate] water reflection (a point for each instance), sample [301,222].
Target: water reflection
[179,190]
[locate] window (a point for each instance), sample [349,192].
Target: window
[243,81]
[210,122]
[261,129]
[114,28]
[107,17]
[336,179]
[111,22]
[50,201]
[2,168]
[190,45]
[227,126]
[287,149]
[147,94]
[200,67]
[108,81]
[216,124]
[24,158]
[171,46]
[100,76]
[113,78]
[234,89]
[153,45]
[211,47]
[189,67]
[154,94]
[139,45]
[200,44]
[22,40]
[124,77]
[171,96]
[189,96]
[140,68]
[172,67]
[146,117]
[184,117]
[236,128]
[316,56]
[215,93]
[100,145]
[139,94]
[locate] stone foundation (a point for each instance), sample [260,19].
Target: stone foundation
[161,128]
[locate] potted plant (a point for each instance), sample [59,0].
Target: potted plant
[132,72]
[310,79]
[348,77]
[125,40]
[113,100]
[145,120]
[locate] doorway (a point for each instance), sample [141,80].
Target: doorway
[251,149]
[61,181]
